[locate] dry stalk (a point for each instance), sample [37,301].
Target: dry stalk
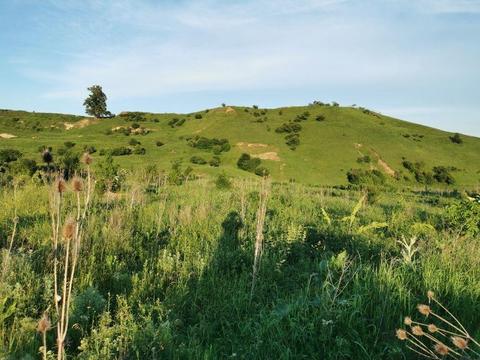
[261,212]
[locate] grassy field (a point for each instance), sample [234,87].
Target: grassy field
[328,149]
[165,271]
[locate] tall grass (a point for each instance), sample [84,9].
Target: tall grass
[162,271]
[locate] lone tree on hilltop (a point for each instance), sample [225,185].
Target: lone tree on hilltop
[96,103]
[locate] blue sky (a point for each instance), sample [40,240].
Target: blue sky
[414,59]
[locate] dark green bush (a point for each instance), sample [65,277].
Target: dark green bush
[120,151]
[216,145]
[320,118]
[365,177]
[223,182]
[198,116]
[442,175]
[134,142]
[159,143]
[247,163]
[198,160]
[456,139]
[139,150]
[262,171]
[69,144]
[9,155]
[292,140]
[289,128]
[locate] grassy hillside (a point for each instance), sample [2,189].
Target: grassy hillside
[328,148]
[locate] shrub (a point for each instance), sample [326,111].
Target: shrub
[262,171]
[223,182]
[216,145]
[215,161]
[442,175]
[456,139]
[68,144]
[176,122]
[247,163]
[139,150]
[289,128]
[109,175]
[120,151]
[464,215]
[365,177]
[135,126]
[159,143]
[292,140]
[320,118]
[134,142]
[198,160]
[198,116]
[9,155]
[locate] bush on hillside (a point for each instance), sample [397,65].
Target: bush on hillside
[456,139]
[120,151]
[292,140]
[215,161]
[289,128]
[365,177]
[198,160]
[262,171]
[9,155]
[442,175]
[198,116]
[159,143]
[223,182]
[247,163]
[216,145]
[320,118]
[139,150]
[134,142]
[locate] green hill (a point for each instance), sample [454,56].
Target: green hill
[331,141]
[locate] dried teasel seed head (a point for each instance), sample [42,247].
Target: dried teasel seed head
[424,309]
[60,186]
[417,331]
[460,342]
[77,184]
[401,334]
[44,324]
[87,159]
[69,229]
[441,349]
[432,328]
[430,295]
[407,321]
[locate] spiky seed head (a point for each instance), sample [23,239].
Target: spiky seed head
[87,159]
[430,295]
[460,342]
[432,328]
[424,309]
[44,324]
[401,334]
[417,330]
[60,186]
[69,229]
[441,349]
[47,156]
[77,184]
[407,321]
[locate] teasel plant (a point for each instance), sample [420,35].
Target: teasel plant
[67,234]
[442,337]
[260,223]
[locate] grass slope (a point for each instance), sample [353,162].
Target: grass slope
[327,150]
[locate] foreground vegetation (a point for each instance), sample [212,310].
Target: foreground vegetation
[169,267]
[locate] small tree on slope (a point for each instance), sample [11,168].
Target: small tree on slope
[96,103]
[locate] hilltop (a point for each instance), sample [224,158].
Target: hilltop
[315,144]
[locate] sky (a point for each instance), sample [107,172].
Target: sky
[417,60]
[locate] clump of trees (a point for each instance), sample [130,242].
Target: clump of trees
[289,128]
[252,164]
[216,145]
[366,177]
[176,122]
[440,174]
[198,160]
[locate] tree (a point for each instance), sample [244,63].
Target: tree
[96,103]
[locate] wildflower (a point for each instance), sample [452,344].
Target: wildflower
[77,184]
[417,331]
[432,328]
[460,342]
[430,295]
[60,186]
[69,229]
[401,334]
[44,324]
[408,321]
[441,349]
[87,159]
[424,309]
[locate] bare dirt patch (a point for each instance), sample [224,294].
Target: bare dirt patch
[245,145]
[272,155]
[80,124]
[386,167]
[7,136]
